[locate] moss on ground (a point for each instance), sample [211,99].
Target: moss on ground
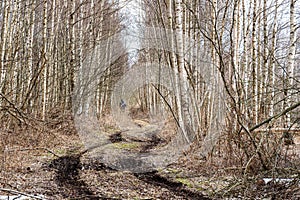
[121,145]
[185,181]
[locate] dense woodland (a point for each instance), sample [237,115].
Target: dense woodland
[237,100]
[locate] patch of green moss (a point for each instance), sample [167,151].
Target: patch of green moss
[132,145]
[185,181]
[60,151]
[174,171]
[110,129]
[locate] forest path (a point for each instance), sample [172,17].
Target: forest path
[82,178]
[63,172]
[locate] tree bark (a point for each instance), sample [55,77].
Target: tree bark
[182,74]
[291,61]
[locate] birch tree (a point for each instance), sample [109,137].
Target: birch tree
[6,7]
[254,64]
[291,61]
[44,56]
[182,74]
[273,59]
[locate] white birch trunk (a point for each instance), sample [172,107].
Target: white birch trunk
[52,62]
[5,7]
[258,63]
[291,61]
[245,50]
[182,74]
[13,29]
[44,57]
[30,43]
[213,69]
[273,60]
[254,65]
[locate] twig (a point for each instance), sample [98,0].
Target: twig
[21,193]
[234,168]
[278,130]
[17,110]
[167,103]
[38,148]
[231,188]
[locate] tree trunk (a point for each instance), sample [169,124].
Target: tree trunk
[273,60]
[291,62]
[45,57]
[182,74]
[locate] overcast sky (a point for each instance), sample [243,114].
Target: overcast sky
[132,13]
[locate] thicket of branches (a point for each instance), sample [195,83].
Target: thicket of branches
[253,48]
[43,45]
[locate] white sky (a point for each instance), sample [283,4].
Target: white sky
[132,13]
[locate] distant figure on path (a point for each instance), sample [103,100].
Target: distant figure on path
[122,105]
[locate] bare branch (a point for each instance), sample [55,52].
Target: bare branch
[21,193]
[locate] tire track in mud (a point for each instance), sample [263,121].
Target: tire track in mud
[174,187]
[67,176]
[67,170]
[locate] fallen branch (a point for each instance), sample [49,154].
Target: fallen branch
[32,149]
[249,131]
[275,116]
[20,193]
[19,115]
[278,130]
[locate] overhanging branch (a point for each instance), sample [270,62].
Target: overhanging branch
[275,116]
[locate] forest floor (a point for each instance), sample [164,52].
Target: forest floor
[50,163]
